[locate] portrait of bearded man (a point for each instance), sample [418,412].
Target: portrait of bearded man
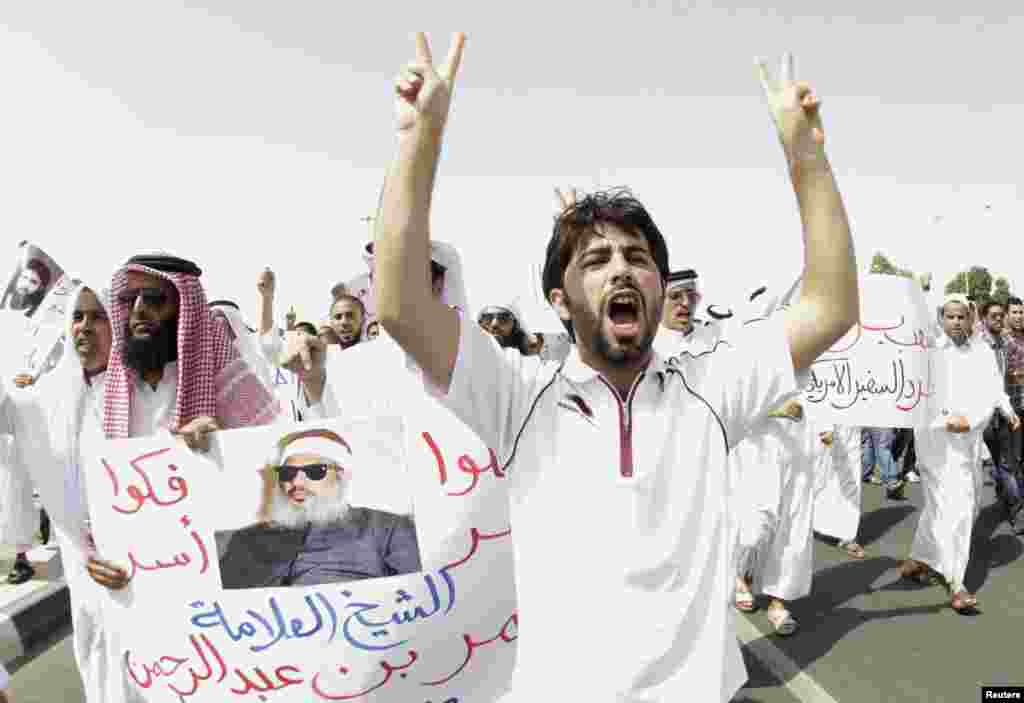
[308,532]
[29,288]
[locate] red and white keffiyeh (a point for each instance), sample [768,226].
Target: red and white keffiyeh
[213,379]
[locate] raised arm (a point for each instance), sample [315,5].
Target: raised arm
[265,285]
[420,323]
[829,302]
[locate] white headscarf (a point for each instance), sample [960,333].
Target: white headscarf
[454,291]
[513,309]
[247,343]
[50,449]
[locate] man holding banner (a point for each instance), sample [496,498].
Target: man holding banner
[968,391]
[615,423]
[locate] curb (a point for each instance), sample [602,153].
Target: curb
[29,620]
[33,611]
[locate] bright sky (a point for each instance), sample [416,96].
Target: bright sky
[245,134]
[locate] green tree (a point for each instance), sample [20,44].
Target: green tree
[880,263]
[975,282]
[1001,290]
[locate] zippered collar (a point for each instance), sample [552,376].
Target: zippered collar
[579,373]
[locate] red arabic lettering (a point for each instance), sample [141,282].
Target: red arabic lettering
[156,670]
[851,345]
[140,496]
[268,685]
[466,464]
[441,468]
[181,559]
[196,678]
[389,669]
[884,328]
[472,646]
[477,537]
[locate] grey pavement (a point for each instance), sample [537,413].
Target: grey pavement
[47,673]
[866,636]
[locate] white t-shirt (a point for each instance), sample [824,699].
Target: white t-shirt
[620,513]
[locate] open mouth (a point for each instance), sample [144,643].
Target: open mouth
[624,313]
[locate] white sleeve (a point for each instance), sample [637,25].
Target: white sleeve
[271,345]
[752,376]
[492,390]
[989,393]
[556,347]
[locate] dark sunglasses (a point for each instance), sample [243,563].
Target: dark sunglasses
[151,297]
[487,317]
[314,472]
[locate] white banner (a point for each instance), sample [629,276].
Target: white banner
[880,373]
[444,633]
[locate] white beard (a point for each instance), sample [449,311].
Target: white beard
[319,510]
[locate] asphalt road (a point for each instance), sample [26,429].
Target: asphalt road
[864,637]
[48,673]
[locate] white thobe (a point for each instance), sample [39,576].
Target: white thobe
[777,507]
[756,498]
[621,513]
[18,515]
[699,343]
[96,642]
[837,506]
[967,384]
[787,566]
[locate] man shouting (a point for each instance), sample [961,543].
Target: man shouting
[616,435]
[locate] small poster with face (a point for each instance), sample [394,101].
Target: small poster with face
[303,562]
[34,275]
[37,293]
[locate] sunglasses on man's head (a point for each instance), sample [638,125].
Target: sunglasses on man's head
[314,472]
[152,297]
[488,317]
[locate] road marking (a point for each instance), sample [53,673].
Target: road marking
[776,661]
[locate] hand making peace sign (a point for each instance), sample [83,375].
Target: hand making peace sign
[424,93]
[795,111]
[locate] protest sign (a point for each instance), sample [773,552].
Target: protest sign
[442,634]
[34,304]
[880,373]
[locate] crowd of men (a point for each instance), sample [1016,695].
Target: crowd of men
[702,474]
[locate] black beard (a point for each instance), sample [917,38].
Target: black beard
[25,301]
[516,340]
[151,354]
[603,348]
[355,340]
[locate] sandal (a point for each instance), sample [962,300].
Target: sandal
[782,621]
[916,571]
[964,603]
[852,549]
[744,601]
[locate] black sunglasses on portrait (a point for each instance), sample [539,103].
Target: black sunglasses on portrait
[314,472]
[502,317]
